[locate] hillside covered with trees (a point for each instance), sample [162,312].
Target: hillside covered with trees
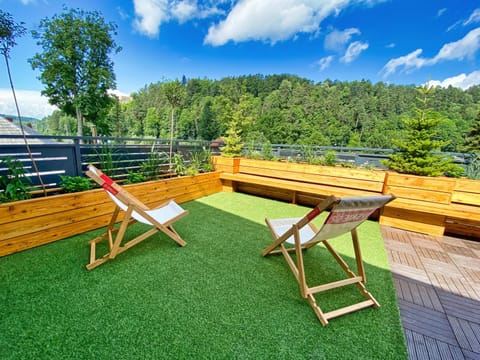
[280,109]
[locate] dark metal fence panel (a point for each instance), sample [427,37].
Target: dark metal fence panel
[52,160]
[70,155]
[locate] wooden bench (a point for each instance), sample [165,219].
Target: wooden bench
[300,183]
[433,206]
[464,217]
[428,205]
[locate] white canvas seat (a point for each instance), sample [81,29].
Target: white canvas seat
[346,214]
[160,218]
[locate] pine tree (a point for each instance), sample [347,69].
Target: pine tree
[415,153]
[233,141]
[472,142]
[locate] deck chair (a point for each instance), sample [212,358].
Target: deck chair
[346,214]
[160,218]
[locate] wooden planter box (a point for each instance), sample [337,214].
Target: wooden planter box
[227,164]
[30,223]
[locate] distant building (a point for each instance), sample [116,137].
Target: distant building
[8,127]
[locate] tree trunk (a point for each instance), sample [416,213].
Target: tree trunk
[171,137]
[79,123]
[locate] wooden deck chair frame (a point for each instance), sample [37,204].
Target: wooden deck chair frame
[343,225]
[135,211]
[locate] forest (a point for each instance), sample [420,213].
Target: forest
[280,109]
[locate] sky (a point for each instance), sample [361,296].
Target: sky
[401,42]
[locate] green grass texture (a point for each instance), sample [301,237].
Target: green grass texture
[216,298]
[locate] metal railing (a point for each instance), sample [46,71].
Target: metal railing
[70,155]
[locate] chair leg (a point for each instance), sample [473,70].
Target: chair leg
[317,310]
[121,233]
[358,256]
[301,270]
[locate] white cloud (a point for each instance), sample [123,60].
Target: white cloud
[464,48]
[408,62]
[441,11]
[151,14]
[474,17]
[184,10]
[462,81]
[325,62]
[31,103]
[353,51]
[336,40]
[275,20]
[461,49]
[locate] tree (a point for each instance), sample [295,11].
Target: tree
[472,142]
[9,32]
[208,127]
[233,141]
[152,123]
[175,93]
[75,65]
[415,152]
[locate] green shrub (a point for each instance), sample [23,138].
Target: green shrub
[267,150]
[71,184]
[135,177]
[330,158]
[14,185]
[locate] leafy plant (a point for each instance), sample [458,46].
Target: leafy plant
[330,158]
[135,177]
[106,158]
[179,166]
[14,185]
[151,168]
[199,162]
[71,184]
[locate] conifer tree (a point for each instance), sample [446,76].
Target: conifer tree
[233,141]
[472,142]
[415,153]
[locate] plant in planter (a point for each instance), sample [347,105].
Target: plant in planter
[14,185]
[135,177]
[199,163]
[71,184]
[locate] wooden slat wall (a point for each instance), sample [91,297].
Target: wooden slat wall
[331,176]
[35,222]
[433,206]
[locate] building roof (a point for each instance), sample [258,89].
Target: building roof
[8,127]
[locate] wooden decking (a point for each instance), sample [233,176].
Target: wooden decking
[437,280]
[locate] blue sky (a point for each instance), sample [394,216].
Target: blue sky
[394,41]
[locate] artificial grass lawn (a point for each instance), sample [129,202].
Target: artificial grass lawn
[216,298]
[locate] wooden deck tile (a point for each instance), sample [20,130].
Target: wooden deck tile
[437,280]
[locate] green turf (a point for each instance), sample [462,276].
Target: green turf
[216,298]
